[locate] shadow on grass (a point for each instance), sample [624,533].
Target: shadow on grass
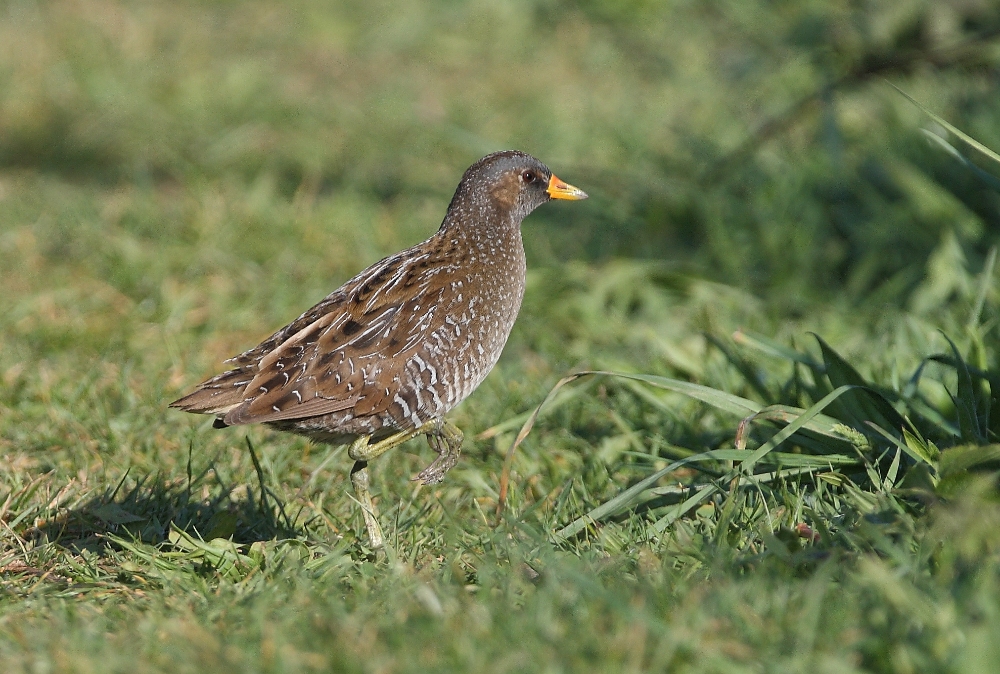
[146,512]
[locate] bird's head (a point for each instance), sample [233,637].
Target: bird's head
[512,183]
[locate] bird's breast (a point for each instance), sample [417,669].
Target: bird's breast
[473,318]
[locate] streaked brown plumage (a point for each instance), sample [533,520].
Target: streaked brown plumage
[388,354]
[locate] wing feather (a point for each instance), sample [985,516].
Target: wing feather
[346,353]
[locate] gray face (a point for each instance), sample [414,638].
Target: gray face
[533,181]
[511,182]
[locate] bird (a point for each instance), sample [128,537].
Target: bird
[383,358]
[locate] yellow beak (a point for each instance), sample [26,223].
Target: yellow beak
[559,190]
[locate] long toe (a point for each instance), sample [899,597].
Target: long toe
[435,472]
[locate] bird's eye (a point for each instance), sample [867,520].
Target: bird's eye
[528,177]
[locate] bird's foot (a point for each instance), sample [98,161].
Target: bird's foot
[446,439]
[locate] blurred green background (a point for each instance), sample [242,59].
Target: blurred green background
[178,179]
[756,143]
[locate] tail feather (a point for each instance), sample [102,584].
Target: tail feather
[218,395]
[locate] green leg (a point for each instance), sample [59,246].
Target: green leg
[362,450]
[443,437]
[359,478]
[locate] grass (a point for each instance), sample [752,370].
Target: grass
[788,465]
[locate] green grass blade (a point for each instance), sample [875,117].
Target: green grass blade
[799,423]
[788,459]
[820,423]
[681,509]
[772,348]
[747,465]
[966,400]
[871,405]
[986,177]
[972,142]
[917,455]
[632,495]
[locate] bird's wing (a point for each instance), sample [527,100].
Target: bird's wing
[348,352]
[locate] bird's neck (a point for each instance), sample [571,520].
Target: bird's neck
[488,239]
[475,221]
